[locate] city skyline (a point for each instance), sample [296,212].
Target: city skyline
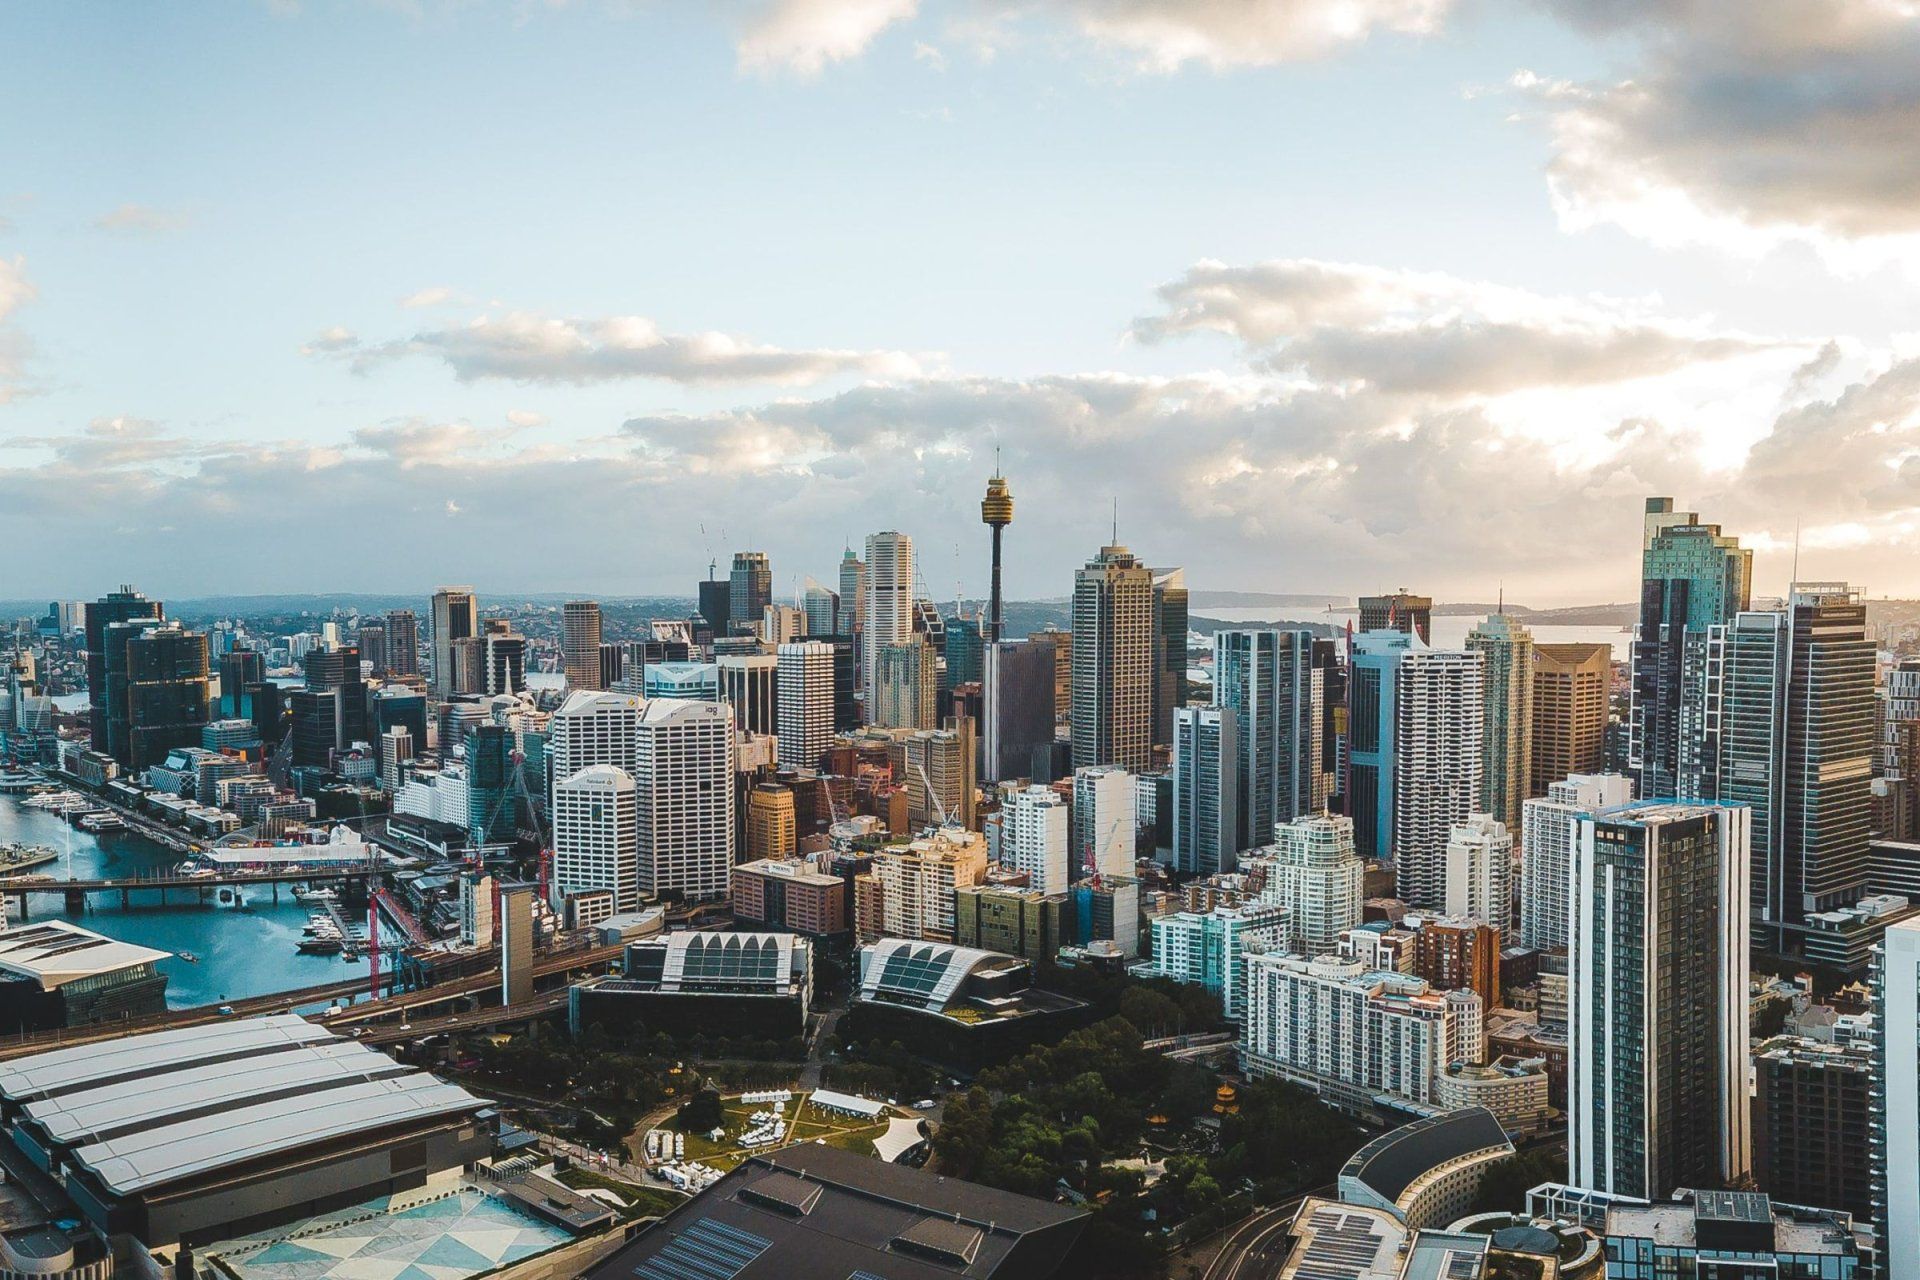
[655,287]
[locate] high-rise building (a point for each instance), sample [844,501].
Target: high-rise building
[750,590]
[372,640]
[1812,1117]
[908,889]
[1546,843]
[1506,651]
[580,643]
[1105,822]
[749,683]
[853,593]
[456,617]
[124,605]
[1211,948]
[613,664]
[1169,650]
[1017,690]
[699,681]
[1400,611]
[683,777]
[1034,837]
[996,512]
[1657,972]
[772,824]
[887,614]
[715,607]
[806,689]
[338,669]
[397,749]
[596,835]
[963,645]
[821,607]
[1011,921]
[1113,662]
[905,686]
[1480,871]
[505,658]
[936,766]
[1316,876]
[403,643]
[167,696]
[1206,760]
[1569,712]
[593,728]
[1894,1152]
[238,669]
[1268,680]
[781,623]
[1693,579]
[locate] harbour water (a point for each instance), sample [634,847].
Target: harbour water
[242,951]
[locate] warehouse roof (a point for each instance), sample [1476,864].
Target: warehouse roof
[54,953]
[42,1074]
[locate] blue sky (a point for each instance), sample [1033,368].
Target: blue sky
[1501,304]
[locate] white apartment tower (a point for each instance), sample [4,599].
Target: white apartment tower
[596,836]
[1438,718]
[1105,821]
[1546,851]
[887,616]
[804,688]
[1480,871]
[1033,838]
[1315,874]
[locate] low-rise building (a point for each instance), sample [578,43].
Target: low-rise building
[717,984]
[1013,921]
[778,893]
[1514,1089]
[1721,1233]
[1426,1173]
[56,974]
[959,1006]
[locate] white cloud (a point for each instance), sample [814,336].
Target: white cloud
[140,219]
[804,36]
[431,296]
[527,347]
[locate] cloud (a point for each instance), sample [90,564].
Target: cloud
[527,347]
[1745,124]
[16,291]
[1428,333]
[431,296]
[140,219]
[804,36]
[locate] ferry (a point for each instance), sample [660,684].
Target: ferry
[58,801]
[102,820]
[305,895]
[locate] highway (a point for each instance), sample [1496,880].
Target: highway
[1255,1249]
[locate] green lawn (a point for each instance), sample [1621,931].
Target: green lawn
[849,1133]
[641,1201]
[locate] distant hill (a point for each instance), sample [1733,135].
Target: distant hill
[1263,599]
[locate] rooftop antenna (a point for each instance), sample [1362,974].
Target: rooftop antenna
[1502,606]
[1796,556]
[1116,519]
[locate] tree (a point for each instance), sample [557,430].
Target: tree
[702,1112]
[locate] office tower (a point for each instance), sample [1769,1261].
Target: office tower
[580,643]
[905,685]
[1105,822]
[504,656]
[1033,838]
[516,943]
[338,670]
[1480,871]
[715,607]
[456,617]
[1400,611]
[1546,851]
[397,749]
[908,889]
[805,688]
[996,512]
[124,605]
[936,768]
[269,703]
[238,669]
[846,680]
[683,772]
[963,645]
[403,643]
[1570,683]
[493,809]
[822,609]
[315,723]
[1113,662]
[1657,971]
[1206,759]
[1169,650]
[119,635]
[781,623]
[593,728]
[167,698]
[1017,688]
[749,683]
[853,593]
[1315,875]
[372,641]
[1211,948]
[1506,651]
[772,824]
[612,659]
[1812,1117]
[1062,643]
[887,615]
[1693,579]
[1894,1152]
[1268,680]
[596,836]
[699,681]
[750,590]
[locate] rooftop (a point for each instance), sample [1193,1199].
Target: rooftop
[54,953]
[1397,1159]
[1335,1241]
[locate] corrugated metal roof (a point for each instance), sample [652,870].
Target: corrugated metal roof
[42,1075]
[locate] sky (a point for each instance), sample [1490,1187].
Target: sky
[1319,296]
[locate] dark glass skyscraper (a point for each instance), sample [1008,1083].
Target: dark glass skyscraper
[238,669]
[166,692]
[750,590]
[123,605]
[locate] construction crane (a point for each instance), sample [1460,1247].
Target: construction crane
[932,795]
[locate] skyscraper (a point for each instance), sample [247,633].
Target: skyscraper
[372,641]
[853,593]
[936,768]
[905,685]
[1400,611]
[1480,871]
[683,779]
[1569,712]
[1658,1064]
[821,608]
[805,691]
[1113,662]
[1267,678]
[238,669]
[124,605]
[1033,837]
[1169,650]
[1894,1151]
[167,701]
[596,835]
[1693,579]
[1316,875]
[1105,822]
[1206,760]
[887,616]
[1017,690]
[996,511]
[338,670]
[963,645]
[456,616]
[1546,845]
[580,643]
[715,607]
[750,683]
[1506,650]
[403,643]
[750,591]
[505,658]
